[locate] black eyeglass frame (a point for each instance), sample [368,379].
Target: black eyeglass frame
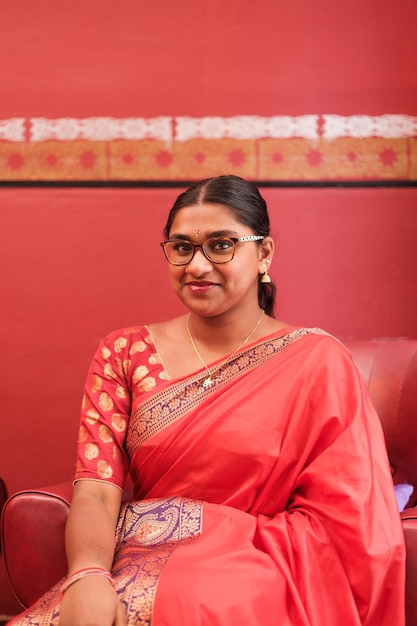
[234,240]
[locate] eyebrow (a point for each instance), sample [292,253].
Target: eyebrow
[215,233]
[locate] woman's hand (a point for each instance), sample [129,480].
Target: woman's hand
[92,601]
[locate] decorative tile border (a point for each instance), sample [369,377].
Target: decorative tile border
[279,148]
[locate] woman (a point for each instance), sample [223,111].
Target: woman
[262,490]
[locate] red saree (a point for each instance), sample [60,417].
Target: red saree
[263,499]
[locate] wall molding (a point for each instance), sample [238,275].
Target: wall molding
[321,148]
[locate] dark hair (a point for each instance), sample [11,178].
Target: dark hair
[244,199]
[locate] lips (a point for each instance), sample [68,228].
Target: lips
[200,286]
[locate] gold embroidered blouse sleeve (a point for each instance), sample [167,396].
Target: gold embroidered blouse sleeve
[125,364]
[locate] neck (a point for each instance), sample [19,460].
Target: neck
[215,339]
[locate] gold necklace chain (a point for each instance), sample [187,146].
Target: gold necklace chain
[210,371]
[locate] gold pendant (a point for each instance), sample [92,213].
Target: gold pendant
[207,383]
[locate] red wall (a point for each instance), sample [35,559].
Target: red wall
[138,57]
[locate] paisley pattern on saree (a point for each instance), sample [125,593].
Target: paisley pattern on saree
[147,534]
[165,407]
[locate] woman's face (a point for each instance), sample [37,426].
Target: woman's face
[207,288]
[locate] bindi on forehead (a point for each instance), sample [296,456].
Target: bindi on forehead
[206,234]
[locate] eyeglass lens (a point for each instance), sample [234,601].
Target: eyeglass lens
[216,249]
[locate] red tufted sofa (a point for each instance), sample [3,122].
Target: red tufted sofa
[33,521]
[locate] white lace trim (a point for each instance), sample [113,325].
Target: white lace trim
[246,127]
[13,129]
[361,126]
[101,128]
[181,129]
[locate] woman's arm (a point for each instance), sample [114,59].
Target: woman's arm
[90,542]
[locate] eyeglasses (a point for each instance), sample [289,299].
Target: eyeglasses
[215,249]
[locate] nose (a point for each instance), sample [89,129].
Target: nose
[199,264]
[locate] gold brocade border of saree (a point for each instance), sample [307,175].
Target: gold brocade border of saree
[45,612]
[167,406]
[147,534]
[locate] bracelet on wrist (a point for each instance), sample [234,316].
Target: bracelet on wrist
[82,573]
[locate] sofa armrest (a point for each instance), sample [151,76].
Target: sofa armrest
[33,528]
[33,538]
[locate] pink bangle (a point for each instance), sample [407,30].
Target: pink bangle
[82,573]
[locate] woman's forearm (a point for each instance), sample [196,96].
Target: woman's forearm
[90,529]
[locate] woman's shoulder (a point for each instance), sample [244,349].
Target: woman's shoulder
[125,340]
[133,337]
[323,347]
[126,334]
[318,342]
